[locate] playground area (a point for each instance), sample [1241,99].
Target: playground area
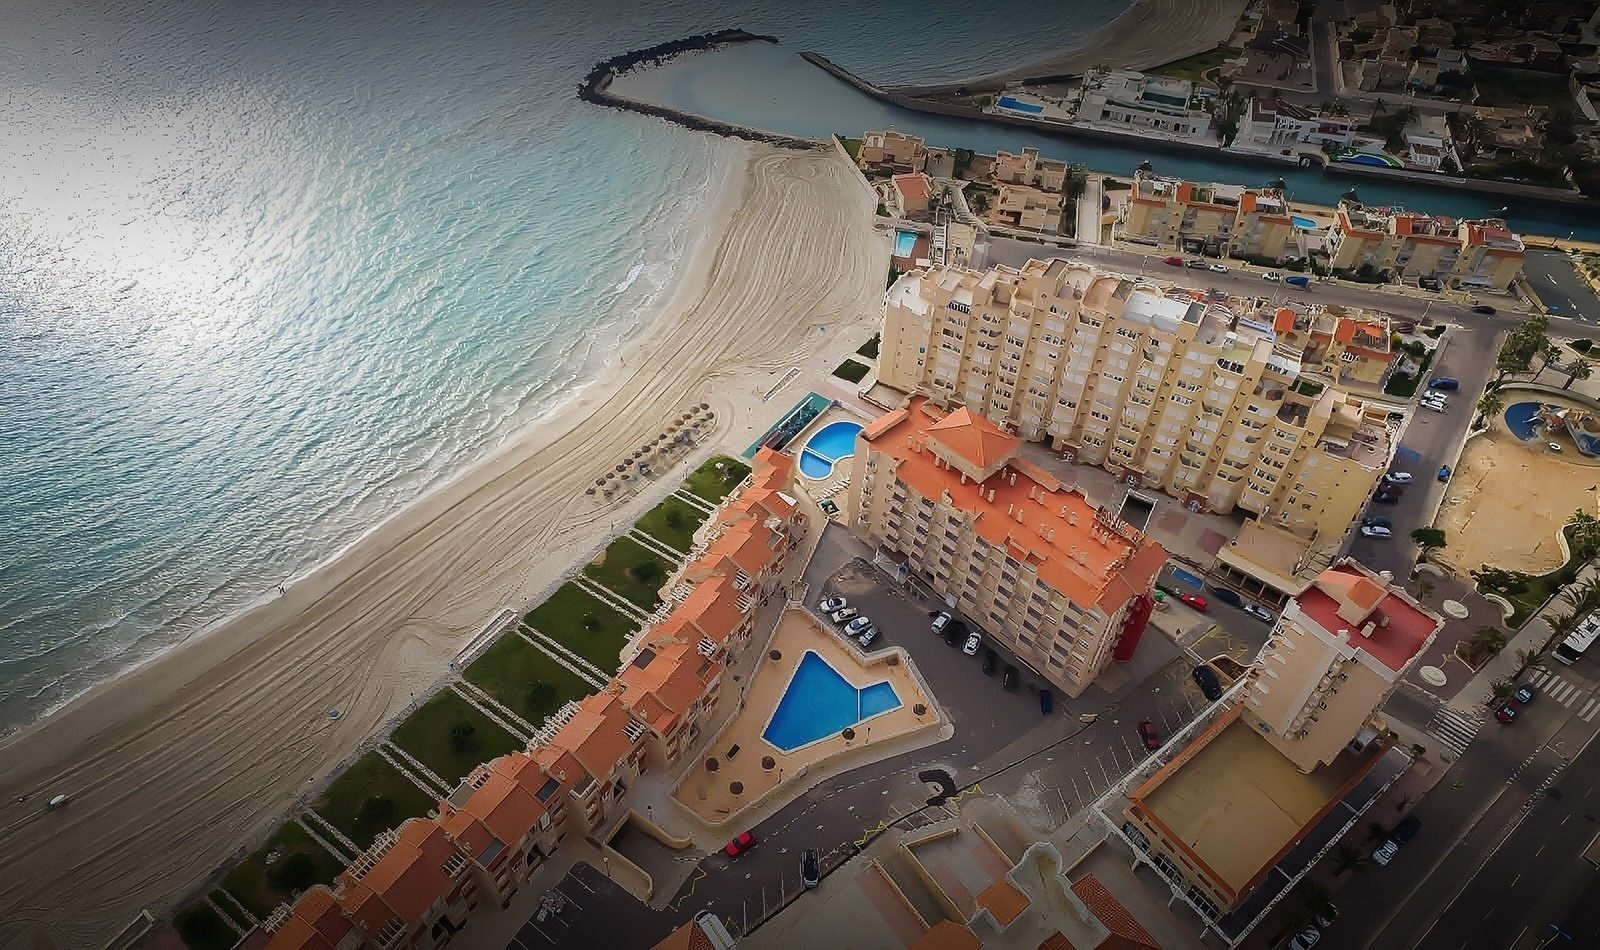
[1508,499]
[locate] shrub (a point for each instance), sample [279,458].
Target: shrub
[463,738]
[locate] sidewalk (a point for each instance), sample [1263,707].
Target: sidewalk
[1533,636]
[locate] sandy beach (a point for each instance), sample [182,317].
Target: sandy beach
[1148,33]
[176,766]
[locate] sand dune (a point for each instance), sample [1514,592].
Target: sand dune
[176,766]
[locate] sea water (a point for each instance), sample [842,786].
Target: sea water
[269,271]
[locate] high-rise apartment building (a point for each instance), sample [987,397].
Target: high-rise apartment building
[1337,652]
[1156,384]
[1059,582]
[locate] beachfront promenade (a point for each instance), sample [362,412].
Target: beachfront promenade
[175,766]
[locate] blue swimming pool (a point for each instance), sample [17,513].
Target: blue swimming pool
[1301,221]
[1520,419]
[832,442]
[905,242]
[820,703]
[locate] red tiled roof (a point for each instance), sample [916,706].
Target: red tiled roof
[503,806]
[1116,918]
[595,734]
[974,438]
[405,881]
[1003,901]
[316,923]
[947,935]
[914,185]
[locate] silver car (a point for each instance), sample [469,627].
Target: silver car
[840,616]
[857,625]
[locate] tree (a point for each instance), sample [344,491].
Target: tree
[1582,595]
[295,872]
[1428,539]
[1527,658]
[1501,688]
[1583,534]
[1490,404]
[1576,370]
[1450,166]
[1347,858]
[463,738]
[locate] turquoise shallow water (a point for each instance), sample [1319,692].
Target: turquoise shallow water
[268,271]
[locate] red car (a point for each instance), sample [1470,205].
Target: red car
[1173,261]
[1195,601]
[740,845]
[1506,713]
[1147,732]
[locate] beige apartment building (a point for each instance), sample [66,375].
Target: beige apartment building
[1476,255]
[1338,650]
[1171,212]
[1061,583]
[1153,383]
[1026,208]
[1046,174]
[1262,227]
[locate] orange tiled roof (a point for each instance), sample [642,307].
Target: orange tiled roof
[595,734]
[712,608]
[974,438]
[405,881]
[1003,901]
[1104,905]
[914,185]
[1057,531]
[503,806]
[749,545]
[674,678]
[947,935]
[316,923]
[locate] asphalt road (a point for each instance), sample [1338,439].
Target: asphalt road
[1457,883]
[1559,287]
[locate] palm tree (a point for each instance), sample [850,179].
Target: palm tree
[1490,404]
[1347,858]
[1502,688]
[1526,659]
[1582,595]
[1576,370]
[1546,351]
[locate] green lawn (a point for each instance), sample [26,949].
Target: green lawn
[525,679]
[673,523]
[1405,385]
[1520,88]
[851,370]
[370,798]
[853,146]
[631,571]
[261,887]
[1195,67]
[586,626]
[451,737]
[202,929]
[1528,592]
[712,485]
[869,349]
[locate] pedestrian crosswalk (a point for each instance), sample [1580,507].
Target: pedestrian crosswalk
[1456,730]
[1555,687]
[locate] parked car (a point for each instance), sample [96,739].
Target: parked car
[1398,478]
[1047,702]
[1525,694]
[1327,915]
[955,633]
[1149,736]
[1410,326]
[1272,275]
[1229,597]
[940,621]
[1433,405]
[1376,531]
[1305,939]
[868,635]
[739,845]
[1259,612]
[1405,830]
[1206,679]
[1388,496]
[1008,679]
[1384,853]
[1196,264]
[973,642]
[1297,280]
[1448,383]
[833,604]
[857,625]
[1506,713]
[1483,308]
[1378,521]
[991,659]
[1444,473]
[1218,268]
[1195,601]
[1172,261]
[810,868]
[847,614]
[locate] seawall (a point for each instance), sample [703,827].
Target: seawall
[596,87]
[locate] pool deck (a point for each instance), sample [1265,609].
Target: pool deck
[708,795]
